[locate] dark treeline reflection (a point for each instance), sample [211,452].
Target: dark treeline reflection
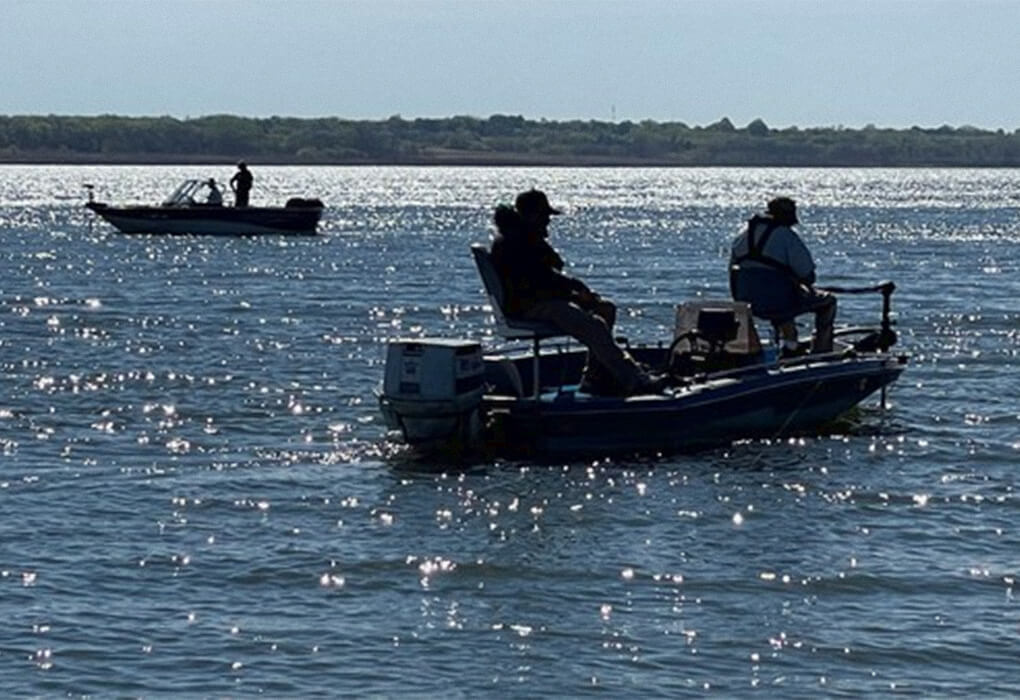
[499,139]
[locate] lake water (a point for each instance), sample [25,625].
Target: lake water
[197,497]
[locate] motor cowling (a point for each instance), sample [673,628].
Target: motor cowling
[432,390]
[302,203]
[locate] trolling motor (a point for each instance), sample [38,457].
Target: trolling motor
[885,337]
[90,188]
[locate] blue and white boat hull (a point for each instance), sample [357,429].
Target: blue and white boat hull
[767,399]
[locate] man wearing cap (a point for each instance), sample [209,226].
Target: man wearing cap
[537,290]
[770,243]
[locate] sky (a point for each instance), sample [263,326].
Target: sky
[890,63]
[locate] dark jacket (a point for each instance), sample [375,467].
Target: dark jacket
[242,181]
[528,266]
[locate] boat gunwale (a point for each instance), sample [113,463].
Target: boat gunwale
[549,402]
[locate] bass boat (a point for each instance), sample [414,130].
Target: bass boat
[450,396]
[182,213]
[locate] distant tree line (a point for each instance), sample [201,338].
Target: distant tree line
[498,140]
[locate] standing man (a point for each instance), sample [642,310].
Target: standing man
[241,183]
[537,290]
[771,268]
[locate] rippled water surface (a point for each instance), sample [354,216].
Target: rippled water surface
[198,497]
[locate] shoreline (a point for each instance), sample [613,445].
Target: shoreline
[498,141]
[463,160]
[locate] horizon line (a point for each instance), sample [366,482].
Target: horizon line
[399,116]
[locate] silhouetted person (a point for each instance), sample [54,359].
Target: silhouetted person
[537,290]
[214,198]
[771,268]
[241,183]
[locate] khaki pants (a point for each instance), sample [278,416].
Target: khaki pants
[823,306]
[594,329]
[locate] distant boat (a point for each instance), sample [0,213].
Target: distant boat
[181,213]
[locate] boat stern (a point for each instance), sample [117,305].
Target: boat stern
[432,391]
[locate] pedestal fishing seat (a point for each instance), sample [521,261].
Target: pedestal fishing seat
[770,292]
[507,326]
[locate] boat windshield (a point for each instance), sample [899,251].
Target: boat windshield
[183,196]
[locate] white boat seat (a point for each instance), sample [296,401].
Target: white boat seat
[692,315]
[509,327]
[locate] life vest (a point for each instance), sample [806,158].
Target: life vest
[756,247]
[771,287]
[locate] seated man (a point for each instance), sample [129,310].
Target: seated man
[214,198]
[537,290]
[771,268]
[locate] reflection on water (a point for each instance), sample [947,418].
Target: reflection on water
[200,498]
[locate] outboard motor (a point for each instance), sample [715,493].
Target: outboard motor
[302,203]
[432,391]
